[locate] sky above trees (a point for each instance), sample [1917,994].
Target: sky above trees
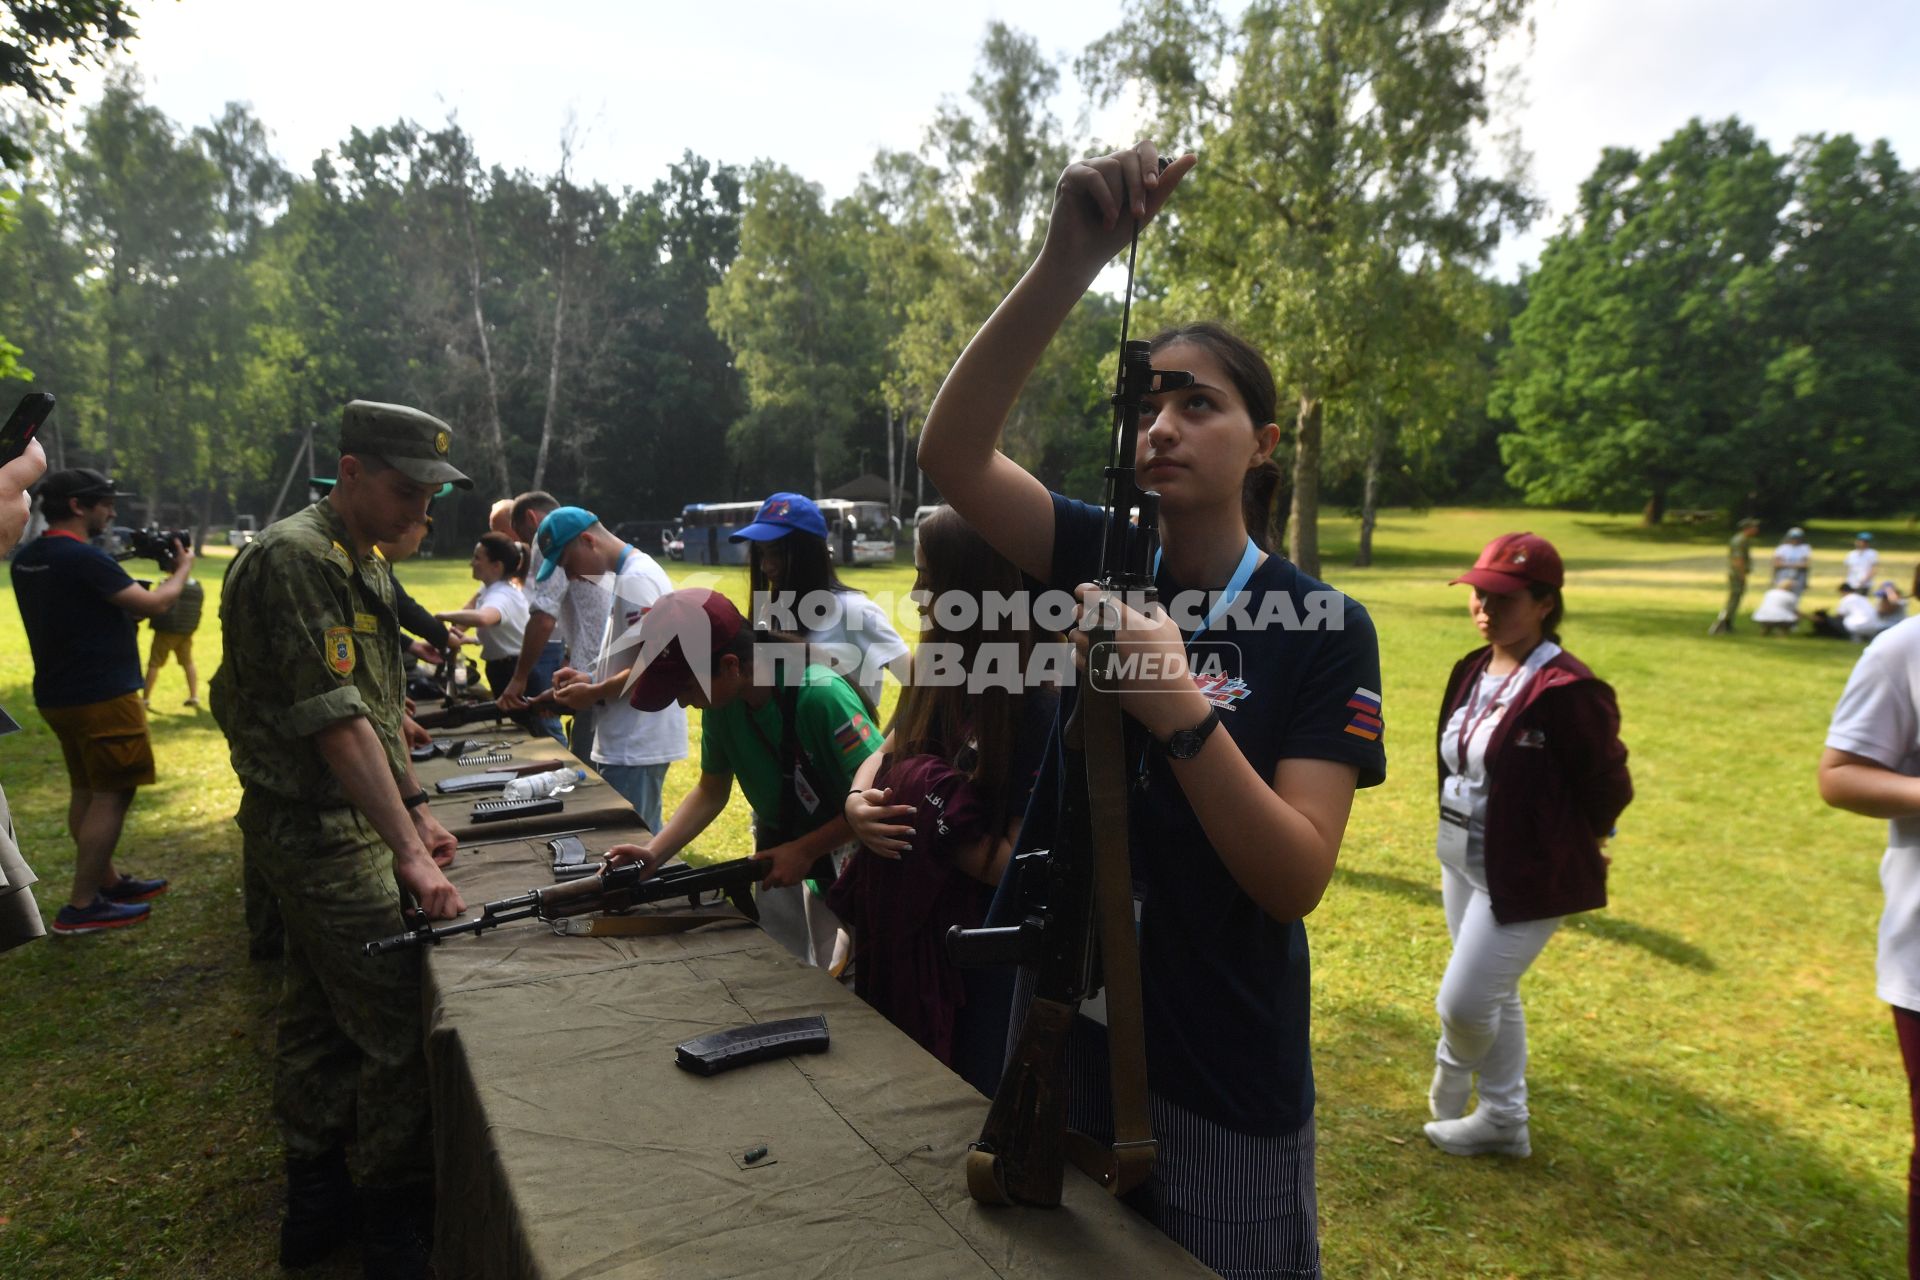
[820,88]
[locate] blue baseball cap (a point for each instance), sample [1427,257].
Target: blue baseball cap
[780,515]
[562,526]
[1863,536]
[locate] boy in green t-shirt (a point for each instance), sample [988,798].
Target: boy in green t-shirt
[793,740]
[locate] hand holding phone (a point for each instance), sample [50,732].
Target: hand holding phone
[22,463]
[25,421]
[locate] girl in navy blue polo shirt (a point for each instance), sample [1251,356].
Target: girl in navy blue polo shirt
[1233,843]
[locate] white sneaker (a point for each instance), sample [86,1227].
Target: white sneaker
[1479,1135]
[1446,1099]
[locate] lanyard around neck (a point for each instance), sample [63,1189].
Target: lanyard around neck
[1235,585]
[1542,654]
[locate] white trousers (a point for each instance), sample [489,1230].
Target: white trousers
[1483,1030]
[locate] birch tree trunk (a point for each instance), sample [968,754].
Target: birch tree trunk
[1369,496]
[553,364]
[493,443]
[1303,514]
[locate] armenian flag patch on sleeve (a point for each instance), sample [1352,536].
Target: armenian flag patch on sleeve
[1366,722]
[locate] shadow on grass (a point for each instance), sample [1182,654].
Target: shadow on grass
[1636,1171]
[1655,942]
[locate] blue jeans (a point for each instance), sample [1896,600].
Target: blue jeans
[539,680]
[641,784]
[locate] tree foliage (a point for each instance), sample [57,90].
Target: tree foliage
[39,37]
[1339,170]
[1723,326]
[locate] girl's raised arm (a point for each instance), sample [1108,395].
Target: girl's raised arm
[1095,208]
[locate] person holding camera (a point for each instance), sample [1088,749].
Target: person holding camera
[81,609]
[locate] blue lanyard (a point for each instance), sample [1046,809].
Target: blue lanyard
[1235,585]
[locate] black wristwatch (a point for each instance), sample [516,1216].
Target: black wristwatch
[1185,744]
[417,799]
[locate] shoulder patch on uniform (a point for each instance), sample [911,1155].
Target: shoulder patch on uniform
[339,645]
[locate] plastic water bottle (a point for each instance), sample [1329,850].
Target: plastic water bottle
[542,785]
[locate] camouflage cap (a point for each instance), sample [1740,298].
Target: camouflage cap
[411,442]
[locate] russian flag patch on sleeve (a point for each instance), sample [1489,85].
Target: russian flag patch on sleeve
[1366,722]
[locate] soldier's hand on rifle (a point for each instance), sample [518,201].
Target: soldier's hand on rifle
[878,823]
[1098,201]
[440,843]
[513,697]
[412,734]
[1149,667]
[431,889]
[790,865]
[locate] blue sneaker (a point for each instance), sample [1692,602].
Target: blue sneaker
[99,915]
[134,889]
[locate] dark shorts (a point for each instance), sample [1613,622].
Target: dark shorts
[105,743]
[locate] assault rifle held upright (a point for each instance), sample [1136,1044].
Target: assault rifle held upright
[612,890]
[1021,1153]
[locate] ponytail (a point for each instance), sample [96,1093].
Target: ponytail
[1257,490]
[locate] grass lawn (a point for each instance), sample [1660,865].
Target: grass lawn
[1716,1092]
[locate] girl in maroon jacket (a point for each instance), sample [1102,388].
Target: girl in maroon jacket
[1532,777]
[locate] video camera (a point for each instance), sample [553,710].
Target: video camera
[151,543]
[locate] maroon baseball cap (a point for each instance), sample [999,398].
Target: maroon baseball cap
[695,619]
[1512,561]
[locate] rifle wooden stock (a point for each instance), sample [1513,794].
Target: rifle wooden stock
[1021,1155]
[457,714]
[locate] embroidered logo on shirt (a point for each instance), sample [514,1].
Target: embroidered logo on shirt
[339,646]
[1367,722]
[1223,691]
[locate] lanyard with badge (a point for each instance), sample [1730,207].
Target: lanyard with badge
[601,664]
[1456,801]
[1249,559]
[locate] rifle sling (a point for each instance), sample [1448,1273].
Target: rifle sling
[1123,1166]
[644,926]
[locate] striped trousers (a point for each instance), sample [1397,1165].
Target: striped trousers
[1243,1204]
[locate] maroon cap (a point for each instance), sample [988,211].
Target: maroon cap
[1512,561]
[695,619]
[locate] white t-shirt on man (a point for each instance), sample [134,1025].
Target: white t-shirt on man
[1861,562]
[546,597]
[622,735]
[1878,717]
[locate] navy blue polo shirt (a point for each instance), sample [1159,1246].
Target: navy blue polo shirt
[1226,985]
[85,649]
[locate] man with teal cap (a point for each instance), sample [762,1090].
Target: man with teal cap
[630,748]
[334,827]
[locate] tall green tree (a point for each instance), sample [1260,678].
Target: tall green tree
[1339,143]
[37,37]
[795,308]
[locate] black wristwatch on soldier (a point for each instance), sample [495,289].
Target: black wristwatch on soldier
[417,799]
[1185,744]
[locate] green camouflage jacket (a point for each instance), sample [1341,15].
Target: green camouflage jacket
[310,639]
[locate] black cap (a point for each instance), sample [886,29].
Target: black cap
[78,482]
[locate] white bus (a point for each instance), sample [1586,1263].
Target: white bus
[858,532]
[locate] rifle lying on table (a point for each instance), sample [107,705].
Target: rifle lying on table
[455,714]
[1021,1153]
[614,890]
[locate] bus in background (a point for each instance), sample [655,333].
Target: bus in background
[704,527]
[919,514]
[858,532]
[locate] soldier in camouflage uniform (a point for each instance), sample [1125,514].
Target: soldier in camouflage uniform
[333,824]
[1739,562]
